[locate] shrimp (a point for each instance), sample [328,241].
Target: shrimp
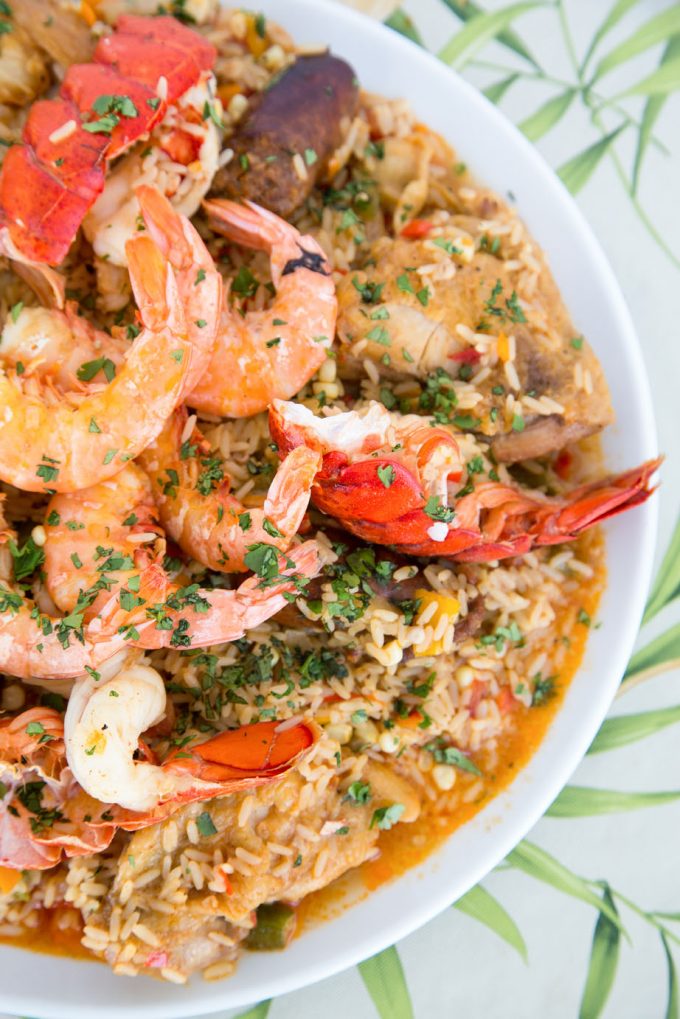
[35,645]
[104,553]
[42,811]
[104,722]
[192,493]
[55,344]
[56,446]
[274,352]
[68,784]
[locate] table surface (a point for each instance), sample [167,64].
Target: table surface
[456,962]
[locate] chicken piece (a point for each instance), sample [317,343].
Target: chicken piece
[300,114]
[195,881]
[184,940]
[23,69]
[417,323]
[61,32]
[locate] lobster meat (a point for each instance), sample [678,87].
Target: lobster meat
[46,815]
[387,478]
[48,184]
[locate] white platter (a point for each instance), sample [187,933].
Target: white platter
[44,986]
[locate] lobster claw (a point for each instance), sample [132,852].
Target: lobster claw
[397,494]
[230,762]
[48,184]
[253,752]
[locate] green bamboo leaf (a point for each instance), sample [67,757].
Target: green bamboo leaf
[482,906]
[666,584]
[496,91]
[260,1011]
[604,955]
[538,864]
[400,22]
[547,115]
[581,801]
[657,656]
[576,172]
[624,729]
[479,30]
[384,978]
[661,82]
[672,1010]
[657,30]
[652,109]
[465,9]
[620,8]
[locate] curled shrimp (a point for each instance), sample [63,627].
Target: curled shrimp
[271,353]
[35,645]
[63,444]
[197,510]
[102,728]
[104,562]
[52,345]
[42,811]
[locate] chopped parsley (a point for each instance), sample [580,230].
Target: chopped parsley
[543,690]
[436,510]
[244,283]
[205,825]
[448,246]
[370,292]
[110,110]
[444,754]
[89,369]
[26,559]
[378,334]
[387,474]
[358,792]
[385,817]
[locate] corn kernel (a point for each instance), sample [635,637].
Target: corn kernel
[465,676]
[444,776]
[328,370]
[238,105]
[367,731]
[87,14]
[38,535]
[446,605]
[8,879]
[389,742]
[256,44]
[340,731]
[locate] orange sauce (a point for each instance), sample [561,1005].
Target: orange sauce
[57,932]
[406,845]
